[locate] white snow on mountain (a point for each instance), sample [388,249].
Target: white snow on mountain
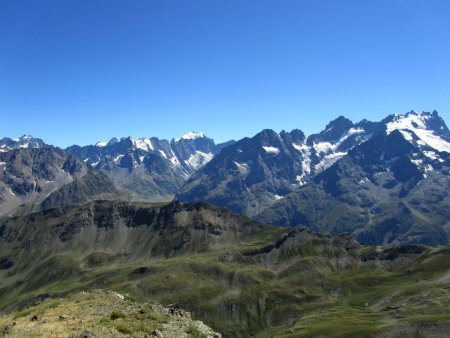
[175,160]
[199,159]
[191,135]
[242,167]
[143,143]
[271,150]
[101,144]
[329,160]
[329,150]
[25,141]
[306,160]
[118,158]
[416,122]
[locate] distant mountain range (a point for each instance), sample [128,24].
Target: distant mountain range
[385,182]
[41,178]
[149,168]
[26,141]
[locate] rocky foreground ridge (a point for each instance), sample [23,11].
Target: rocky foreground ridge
[102,313]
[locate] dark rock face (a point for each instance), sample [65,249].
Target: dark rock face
[333,131]
[393,253]
[150,169]
[252,174]
[28,175]
[385,191]
[140,229]
[93,185]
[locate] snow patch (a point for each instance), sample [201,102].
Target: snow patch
[329,160]
[174,160]
[430,154]
[242,167]
[101,144]
[143,144]
[323,147]
[117,159]
[418,162]
[199,159]
[163,154]
[300,180]
[428,168]
[271,150]
[415,122]
[191,135]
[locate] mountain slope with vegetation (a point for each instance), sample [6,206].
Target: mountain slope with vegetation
[240,277]
[102,313]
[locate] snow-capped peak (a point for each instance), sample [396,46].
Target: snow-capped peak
[25,137]
[142,143]
[417,122]
[191,135]
[101,144]
[25,141]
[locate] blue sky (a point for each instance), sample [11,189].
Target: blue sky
[86,70]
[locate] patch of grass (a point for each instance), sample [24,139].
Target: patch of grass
[105,321]
[22,314]
[156,316]
[123,328]
[117,314]
[193,332]
[428,319]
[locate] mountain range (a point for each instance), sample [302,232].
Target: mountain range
[150,169]
[385,182]
[33,179]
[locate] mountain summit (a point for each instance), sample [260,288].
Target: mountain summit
[25,141]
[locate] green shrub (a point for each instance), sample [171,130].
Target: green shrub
[116,315]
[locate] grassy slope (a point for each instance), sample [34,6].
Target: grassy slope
[100,313]
[309,295]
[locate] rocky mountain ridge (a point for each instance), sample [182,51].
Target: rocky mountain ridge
[254,173]
[149,169]
[32,176]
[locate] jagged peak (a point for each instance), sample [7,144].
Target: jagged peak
[113,141]
[430,128]
[24,137]
[191,135]
[340,122]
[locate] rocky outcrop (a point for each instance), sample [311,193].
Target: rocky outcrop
[102,313]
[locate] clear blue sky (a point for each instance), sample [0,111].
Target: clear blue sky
[86,70]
